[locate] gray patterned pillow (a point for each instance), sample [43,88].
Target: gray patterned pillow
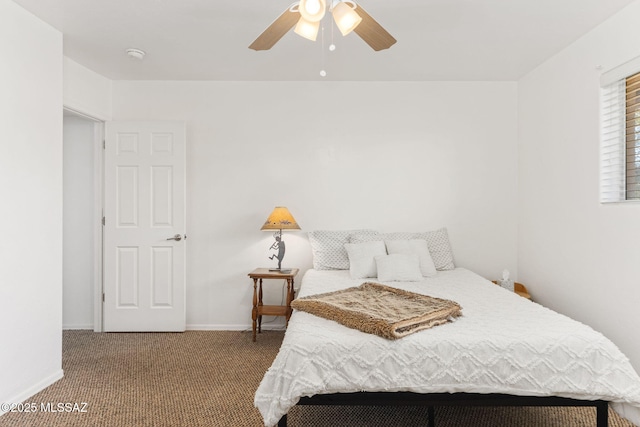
[439,248]
[361,238]
[328,249]
[438,241]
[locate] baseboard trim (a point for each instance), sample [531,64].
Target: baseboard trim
[215,327]
[36,388]
[199,327]
[77,327]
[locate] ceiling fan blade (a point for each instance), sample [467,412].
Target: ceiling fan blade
[276,30]
[372,32]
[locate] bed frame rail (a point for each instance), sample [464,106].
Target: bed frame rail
[447,399]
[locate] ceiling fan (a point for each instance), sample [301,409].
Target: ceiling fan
[306,15]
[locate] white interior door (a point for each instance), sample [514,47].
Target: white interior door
[144,207]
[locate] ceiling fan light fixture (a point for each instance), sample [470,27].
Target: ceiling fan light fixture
[347,19]
[349,16]
[312,10]
[306,29]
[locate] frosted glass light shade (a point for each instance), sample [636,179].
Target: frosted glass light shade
[346,18]
[312,10]
[306,29]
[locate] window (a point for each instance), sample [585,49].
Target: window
[620,149]
[632,136]
[620,140]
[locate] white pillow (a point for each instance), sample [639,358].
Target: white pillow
[417,247]
[327,247]
[398,268]
[362,261]
[438,241]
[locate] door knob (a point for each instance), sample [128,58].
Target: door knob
[177,238]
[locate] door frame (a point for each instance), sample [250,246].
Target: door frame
[98,213]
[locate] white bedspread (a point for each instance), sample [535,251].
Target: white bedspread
[503,343]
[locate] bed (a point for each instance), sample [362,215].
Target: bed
[504,349]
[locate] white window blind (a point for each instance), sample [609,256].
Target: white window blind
[620,139]
[612,153]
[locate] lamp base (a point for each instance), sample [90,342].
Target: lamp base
[281,270]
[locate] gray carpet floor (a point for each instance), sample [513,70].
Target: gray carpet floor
[207,378]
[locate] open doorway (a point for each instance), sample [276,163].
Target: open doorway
[145,274]
[82,228]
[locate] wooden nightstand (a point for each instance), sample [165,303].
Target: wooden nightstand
[519,289]
[260,309]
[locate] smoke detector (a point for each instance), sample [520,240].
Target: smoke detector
[136,53]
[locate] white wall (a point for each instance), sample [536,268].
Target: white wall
[86,91]
[390,156]
[31,210]
[78,225]
[577,256]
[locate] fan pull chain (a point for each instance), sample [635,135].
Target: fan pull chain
[323,73]
[332,46]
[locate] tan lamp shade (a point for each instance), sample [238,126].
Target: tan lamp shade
[280,219]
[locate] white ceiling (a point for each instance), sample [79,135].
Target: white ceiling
[208,39]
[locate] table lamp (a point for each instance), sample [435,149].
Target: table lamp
[280,219]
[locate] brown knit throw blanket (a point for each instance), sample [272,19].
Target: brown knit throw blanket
[381,310]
